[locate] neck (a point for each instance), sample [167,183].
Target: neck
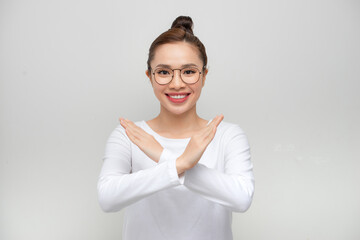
[177,123]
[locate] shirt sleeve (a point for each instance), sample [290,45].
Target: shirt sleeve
[170,155]
[118,186]
[232,188]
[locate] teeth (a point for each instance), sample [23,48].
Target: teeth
[177,96]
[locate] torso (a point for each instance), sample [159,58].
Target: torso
[194,217]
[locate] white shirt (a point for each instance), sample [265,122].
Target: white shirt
[161,205]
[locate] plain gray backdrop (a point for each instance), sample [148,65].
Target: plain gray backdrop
[286,71]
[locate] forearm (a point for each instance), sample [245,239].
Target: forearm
[232,191]
[118,186]
[116,191]
[233,185]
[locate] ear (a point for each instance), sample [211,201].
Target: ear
[205,72]
[148,74]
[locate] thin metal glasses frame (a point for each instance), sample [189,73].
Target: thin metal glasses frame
[172,77]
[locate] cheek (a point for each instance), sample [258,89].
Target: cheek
[158,91]
[197,95]
[197,88]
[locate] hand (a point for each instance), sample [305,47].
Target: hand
[146,142]
[197,145]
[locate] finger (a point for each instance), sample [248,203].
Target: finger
[131,123]
[136,129]
[133,131]
[214,123]
[217,120]
[212,127]
[122,122]
[131,135]
[127,123]
[209,137]
[121,119]
[130,131]
[207,130]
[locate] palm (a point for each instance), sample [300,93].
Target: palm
[146,142]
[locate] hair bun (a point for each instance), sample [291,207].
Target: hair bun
[184,22]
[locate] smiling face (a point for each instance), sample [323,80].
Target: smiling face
[177,97]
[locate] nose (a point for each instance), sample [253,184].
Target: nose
[176,82]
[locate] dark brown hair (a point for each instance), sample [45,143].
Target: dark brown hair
[180,31]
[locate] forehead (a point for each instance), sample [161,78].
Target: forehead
[176,54]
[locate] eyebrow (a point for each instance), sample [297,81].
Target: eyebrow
[182,66]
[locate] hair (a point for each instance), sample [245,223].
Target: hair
[180,31]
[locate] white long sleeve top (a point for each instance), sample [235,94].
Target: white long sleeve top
[161,205]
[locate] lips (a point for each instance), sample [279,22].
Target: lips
[177,97]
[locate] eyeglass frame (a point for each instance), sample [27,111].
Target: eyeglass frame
[172,77]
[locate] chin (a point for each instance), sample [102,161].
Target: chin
[178,110]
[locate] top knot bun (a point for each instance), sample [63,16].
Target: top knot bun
[183,22]
[180,31]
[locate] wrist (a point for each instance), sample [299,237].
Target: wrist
[181,166]
[158,155]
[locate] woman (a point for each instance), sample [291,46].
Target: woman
[178,175]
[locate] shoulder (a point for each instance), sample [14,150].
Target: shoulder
[118,134]
[228,128]
[232,137]
[119,130]
[228,132]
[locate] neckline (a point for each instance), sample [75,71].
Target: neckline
[165,138]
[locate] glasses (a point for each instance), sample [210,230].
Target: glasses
[189,75]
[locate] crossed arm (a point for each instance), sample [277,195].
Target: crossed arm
[118,187]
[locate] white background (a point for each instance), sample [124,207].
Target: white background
[287,72]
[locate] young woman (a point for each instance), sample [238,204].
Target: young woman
[178,175]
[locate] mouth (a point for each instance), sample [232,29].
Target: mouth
[177,97]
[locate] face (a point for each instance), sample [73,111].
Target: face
[176,55]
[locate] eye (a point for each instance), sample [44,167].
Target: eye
[163,72]
[189,71]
